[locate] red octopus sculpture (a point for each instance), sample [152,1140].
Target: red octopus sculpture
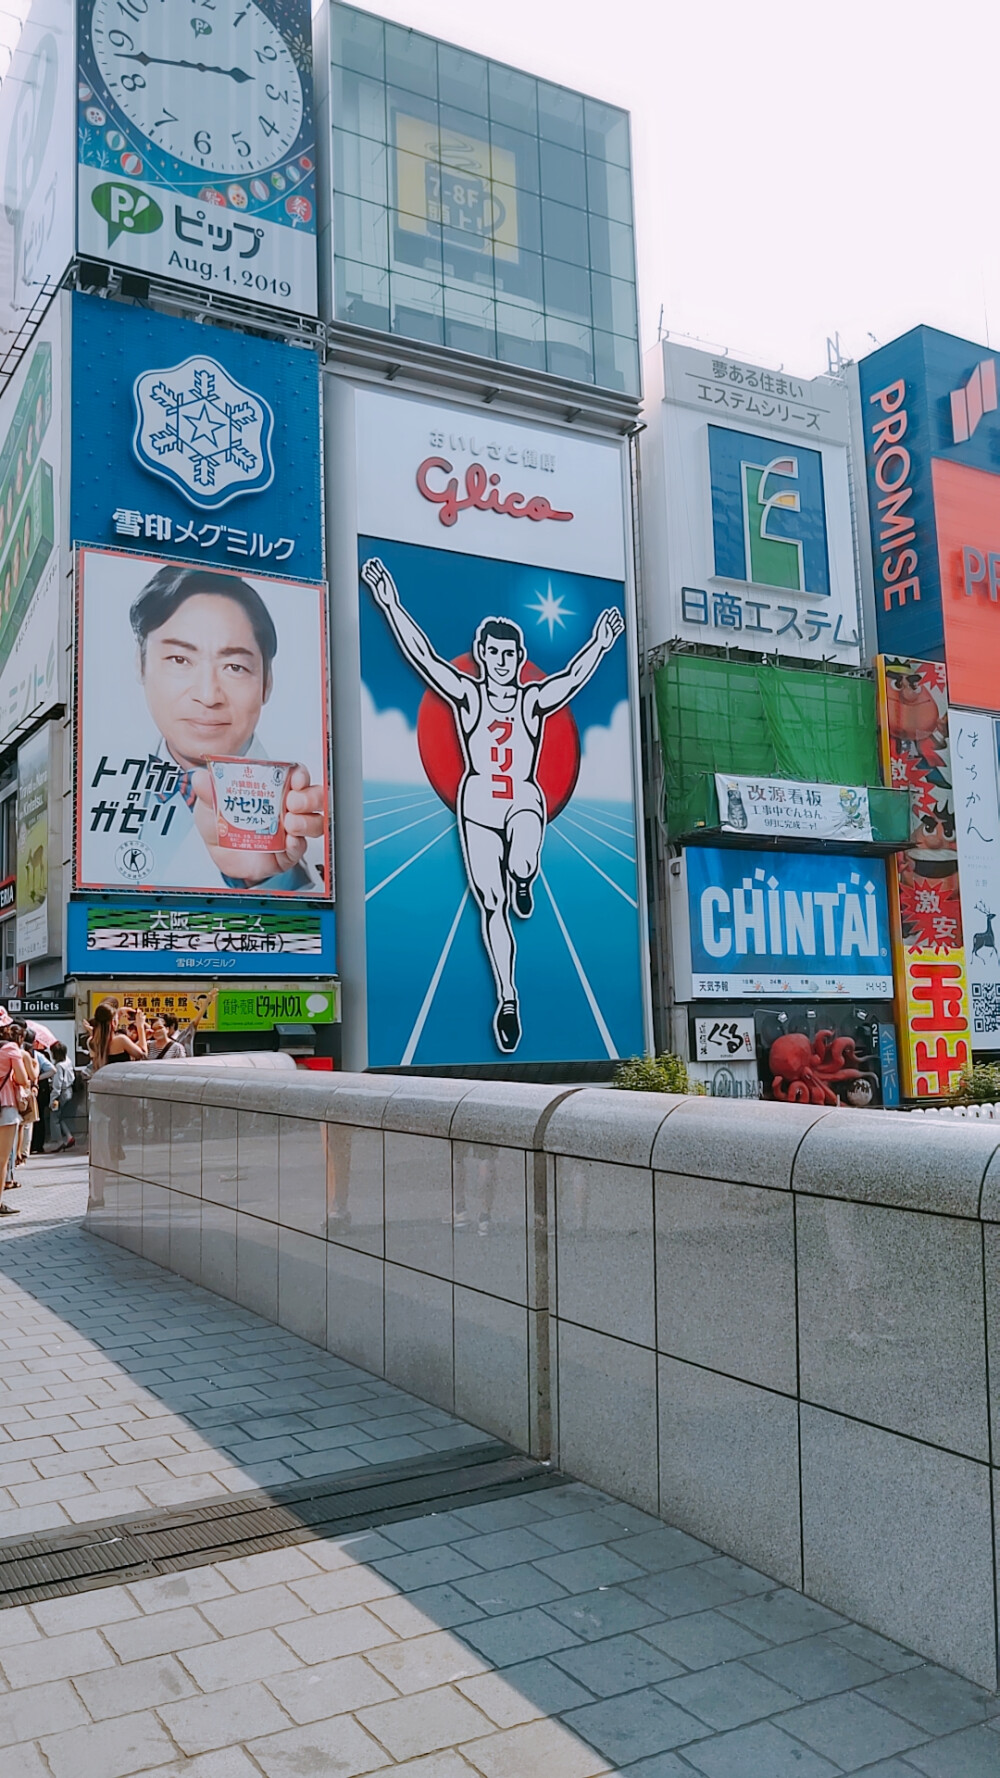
[803,1071]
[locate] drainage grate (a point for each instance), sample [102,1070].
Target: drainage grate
[108,1553]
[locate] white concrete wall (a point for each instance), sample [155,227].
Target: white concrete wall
[770,1324]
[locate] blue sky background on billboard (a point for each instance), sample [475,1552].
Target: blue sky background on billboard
[577,955]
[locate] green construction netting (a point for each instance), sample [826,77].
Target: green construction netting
[735,716]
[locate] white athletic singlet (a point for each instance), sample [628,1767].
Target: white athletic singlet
[502,755]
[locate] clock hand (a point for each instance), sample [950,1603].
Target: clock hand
[198,67]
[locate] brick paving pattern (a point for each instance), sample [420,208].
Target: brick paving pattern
[559,1634]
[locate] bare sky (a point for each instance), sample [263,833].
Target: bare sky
[801,168]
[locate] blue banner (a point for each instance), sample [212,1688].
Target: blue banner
[204,939]
[500,829]
[902,422]
[797,923]
[195,442]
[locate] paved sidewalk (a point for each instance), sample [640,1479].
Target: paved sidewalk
[558,1634]
[124,1387]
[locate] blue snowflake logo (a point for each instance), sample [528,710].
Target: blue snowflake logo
[202,432]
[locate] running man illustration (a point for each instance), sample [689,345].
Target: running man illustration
[500,809]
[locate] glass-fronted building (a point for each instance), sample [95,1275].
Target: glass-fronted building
[478,208]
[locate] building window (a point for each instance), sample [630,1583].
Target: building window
[479,208]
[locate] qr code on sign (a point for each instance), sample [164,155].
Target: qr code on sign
[986,1008]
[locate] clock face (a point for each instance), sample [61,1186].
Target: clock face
[211,82]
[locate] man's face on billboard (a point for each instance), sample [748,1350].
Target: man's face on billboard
[205,680]
[501,660]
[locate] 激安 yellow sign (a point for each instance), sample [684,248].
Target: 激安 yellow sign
[932,1008]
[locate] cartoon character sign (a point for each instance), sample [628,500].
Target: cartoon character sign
[500,721]
[507,924]
[916,704]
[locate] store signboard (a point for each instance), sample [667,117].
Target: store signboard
[781,807]
[230,1009]
[977,823]
[747,509]
[833,1055]
[36,165]
[503,890]
[123,938]
[31,526]
[724,1039]
[751,924]
[931,421]
[260,1009]
[727,1080]
[197,441]
[928,950]
[201,730]
[36,812]
[197,156]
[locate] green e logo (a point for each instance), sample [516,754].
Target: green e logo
[125,207]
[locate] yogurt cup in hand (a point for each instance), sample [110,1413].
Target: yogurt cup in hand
[249,797]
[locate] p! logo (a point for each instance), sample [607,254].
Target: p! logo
[125,207]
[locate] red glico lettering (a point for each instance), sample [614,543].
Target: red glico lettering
[482,494]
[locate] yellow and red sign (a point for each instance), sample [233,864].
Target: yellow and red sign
[932,998]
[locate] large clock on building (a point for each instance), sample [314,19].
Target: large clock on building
[211,82]
[196,148]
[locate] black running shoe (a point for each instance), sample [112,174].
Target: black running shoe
[523,900]
[507,1025]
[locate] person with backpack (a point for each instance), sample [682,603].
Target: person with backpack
[15,1089]
[60,1100]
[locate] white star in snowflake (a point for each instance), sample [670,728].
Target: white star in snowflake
[203,429]
[551,610]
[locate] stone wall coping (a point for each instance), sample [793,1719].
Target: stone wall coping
[951,1167]
[606,1124]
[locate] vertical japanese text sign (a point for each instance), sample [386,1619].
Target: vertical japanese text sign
[928,950]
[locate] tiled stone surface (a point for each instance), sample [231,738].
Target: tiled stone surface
[123,1387]
[557,1634]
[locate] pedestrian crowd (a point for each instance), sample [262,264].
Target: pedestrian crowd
[38,1079]
[36,1087]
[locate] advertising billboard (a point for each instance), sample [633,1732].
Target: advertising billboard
[928,950]
[977,818]
[36,165]
[931,422]
[175,939]
[198,441]
[230,1009]
[197,156]
[801,924]
[31,508]
[36,800]
[828,1055]
[502,898]
[796,810]
[967,515]
[201,729]
[746,508]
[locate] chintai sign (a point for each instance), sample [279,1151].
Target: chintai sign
[755,923]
